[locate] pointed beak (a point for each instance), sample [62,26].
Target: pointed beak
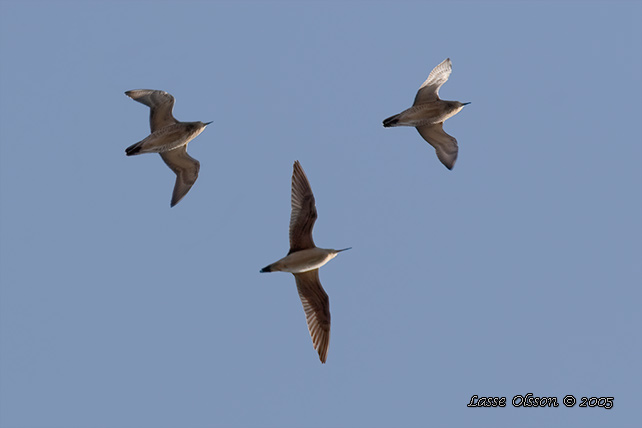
[465,104]
[207,123]
[345,249]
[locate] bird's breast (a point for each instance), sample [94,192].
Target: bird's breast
[426,114]
[172,137]
[305,260]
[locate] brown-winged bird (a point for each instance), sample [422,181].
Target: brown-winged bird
[428,114]
[304,261]
[169,138]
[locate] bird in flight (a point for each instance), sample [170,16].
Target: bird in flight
[304,260]
[169,138]
[429,112]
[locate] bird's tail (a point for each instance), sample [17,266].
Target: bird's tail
[134,149]
[268,268]
[391,121]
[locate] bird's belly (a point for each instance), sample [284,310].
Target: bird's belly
[304,260]
[166,139]
[423,114]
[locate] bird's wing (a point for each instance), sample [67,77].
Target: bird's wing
[317,310]
[429,91]
[445,145]
[160,104]
[186,169]
[304,211]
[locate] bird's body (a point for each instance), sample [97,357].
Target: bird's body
[304,260]
[429,112]
[425,114]
[169,138]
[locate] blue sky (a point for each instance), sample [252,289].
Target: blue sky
[517,272]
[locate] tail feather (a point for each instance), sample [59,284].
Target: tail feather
[391,121]
[268,268]
[134,149]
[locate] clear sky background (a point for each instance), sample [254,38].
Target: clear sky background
[518,272]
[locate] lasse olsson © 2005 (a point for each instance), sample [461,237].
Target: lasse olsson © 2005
[527,400]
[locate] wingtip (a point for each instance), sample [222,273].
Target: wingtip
[297,171]
[323,355]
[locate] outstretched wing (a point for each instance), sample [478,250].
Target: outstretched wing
[304,211]
[429,91]
[186,169]
[317,310]
[160,104]
[444,144]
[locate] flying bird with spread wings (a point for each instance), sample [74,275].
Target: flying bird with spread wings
[304,260]
[169,138]
[429,112]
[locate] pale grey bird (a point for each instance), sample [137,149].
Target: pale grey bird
[169,138]
[304,261]
[429,112]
